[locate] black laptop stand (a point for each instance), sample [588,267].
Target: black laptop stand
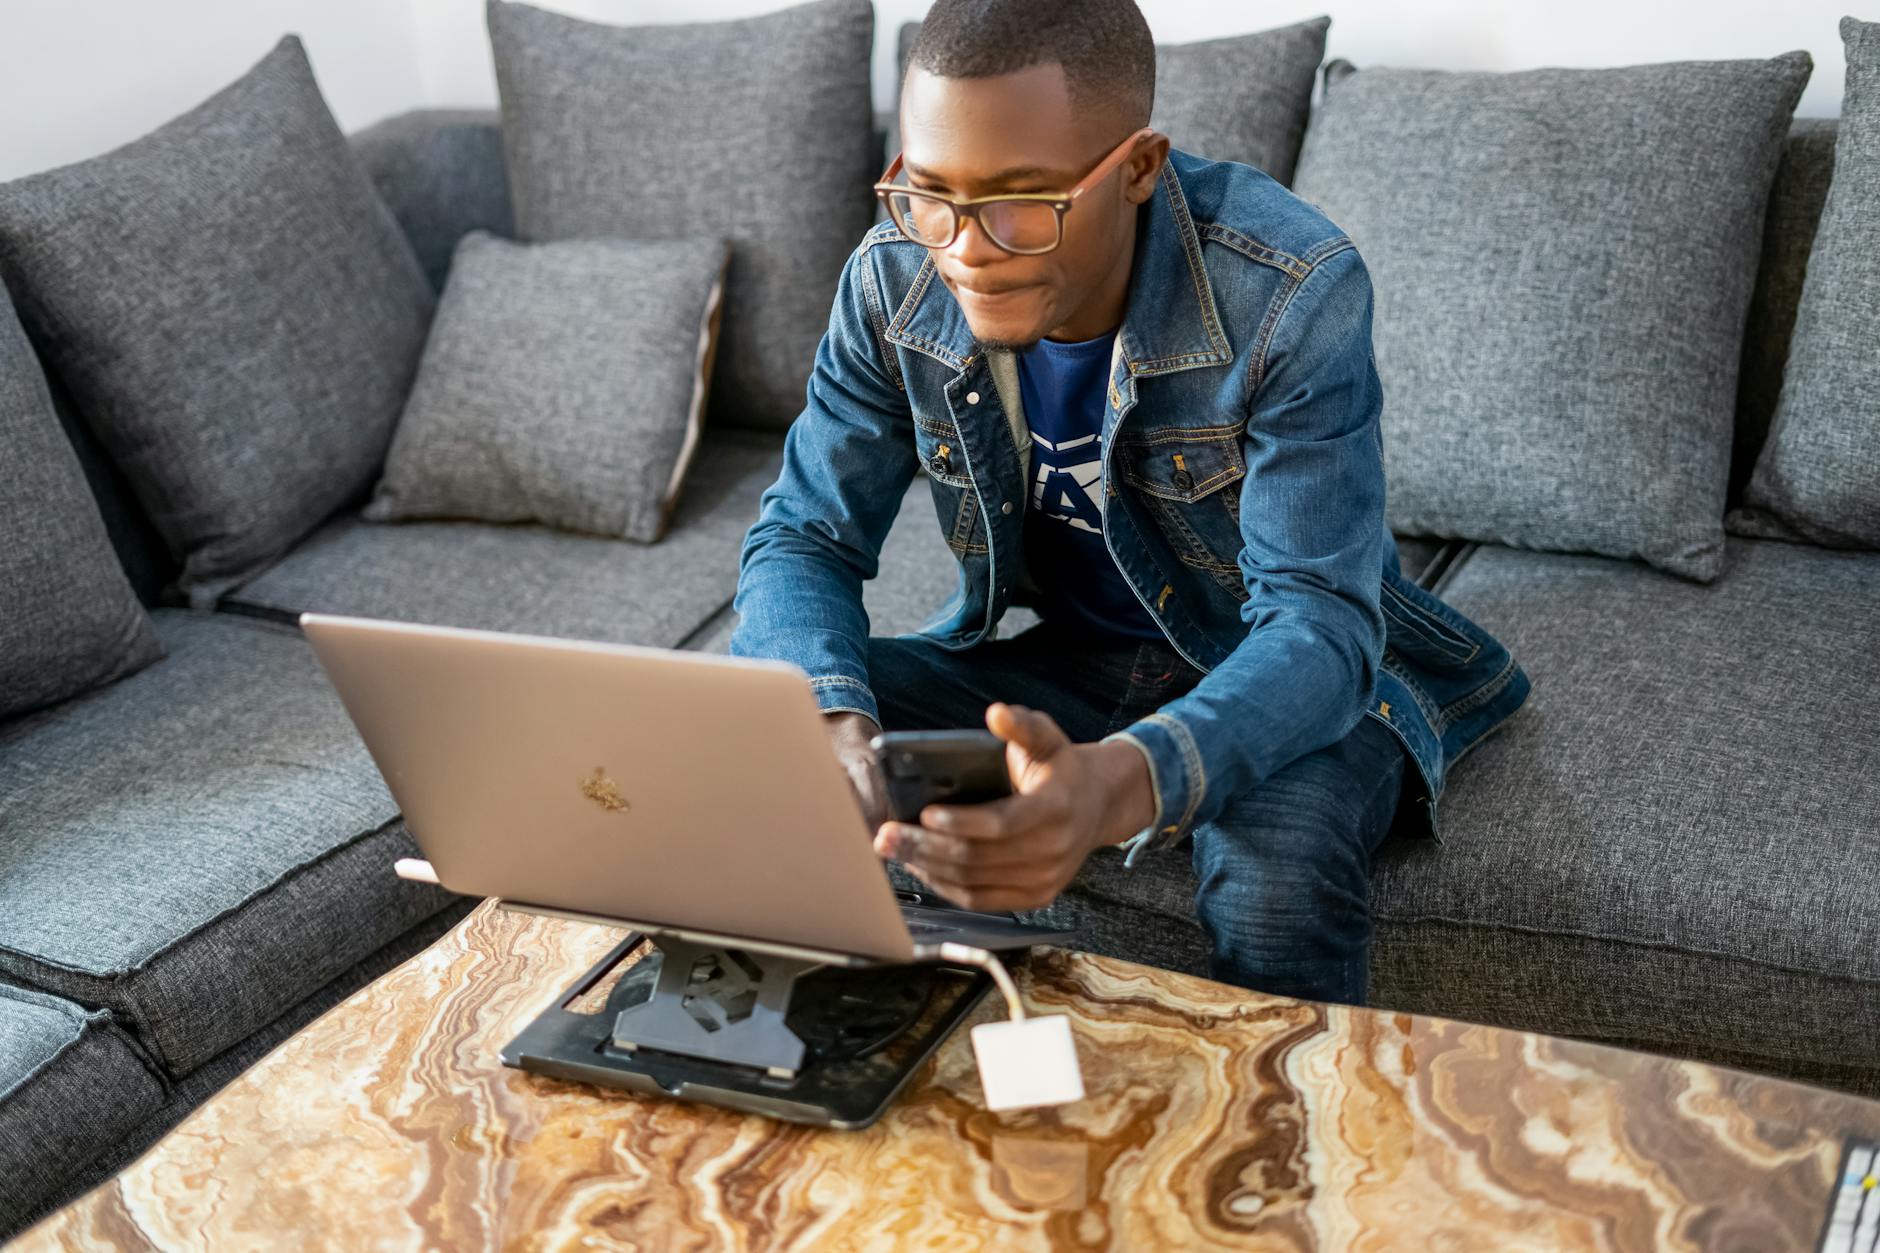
[781,1036]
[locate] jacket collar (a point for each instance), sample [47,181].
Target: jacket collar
[1169,324]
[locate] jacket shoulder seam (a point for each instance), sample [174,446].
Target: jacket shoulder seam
[1309,263]
[877,313]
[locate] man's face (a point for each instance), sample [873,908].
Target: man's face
[968,137]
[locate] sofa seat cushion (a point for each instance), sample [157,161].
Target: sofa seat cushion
[1674,842]
[72,1084]
[200,845]
[531,578]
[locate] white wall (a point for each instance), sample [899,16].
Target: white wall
[1443,34]
[80,76]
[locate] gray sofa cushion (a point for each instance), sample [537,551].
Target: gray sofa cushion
[758,130]
[440,171]
[1664,849]
[200,845]
[1795,200]
[1244,98]
[536,580]
[69,620]
[563,383]
[1563,260]
[71,1085]
[235,311]
[1673,842]
[1819,474]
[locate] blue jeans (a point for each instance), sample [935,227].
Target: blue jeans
[1284,873]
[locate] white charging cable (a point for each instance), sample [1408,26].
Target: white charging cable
[967,955]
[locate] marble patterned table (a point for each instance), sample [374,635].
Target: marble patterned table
[1215,1117]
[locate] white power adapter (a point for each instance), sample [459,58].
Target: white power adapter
[1024,1062]
[1028,1062]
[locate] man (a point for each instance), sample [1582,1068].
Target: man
[1141,386]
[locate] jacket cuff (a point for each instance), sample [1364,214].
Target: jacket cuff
[838,693]
[1175,775]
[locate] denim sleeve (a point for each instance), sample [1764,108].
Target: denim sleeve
[1312,531]
[820,526]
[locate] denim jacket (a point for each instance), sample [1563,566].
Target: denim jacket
[1243,495]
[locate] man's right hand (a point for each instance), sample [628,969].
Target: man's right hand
[849,734]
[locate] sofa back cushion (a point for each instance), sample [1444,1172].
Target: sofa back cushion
[1795,200]
[69,620]
[235,311]
[441,173]
[1563,261]
[1244,98]
[1818,477]
[758,130]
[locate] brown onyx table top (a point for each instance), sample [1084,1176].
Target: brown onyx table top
[1214,1117]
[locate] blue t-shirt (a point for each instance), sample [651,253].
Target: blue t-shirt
[1063,387]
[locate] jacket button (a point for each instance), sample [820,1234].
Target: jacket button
[940,463]
[1006,507]
[1182,480]
[972,398]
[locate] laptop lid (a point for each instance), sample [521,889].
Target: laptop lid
[673,790]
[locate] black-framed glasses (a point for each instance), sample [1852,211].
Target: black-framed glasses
[1025,223]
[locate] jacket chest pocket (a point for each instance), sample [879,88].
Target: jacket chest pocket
[955,501]
[1191,482]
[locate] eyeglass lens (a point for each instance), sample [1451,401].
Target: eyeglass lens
[1014,225]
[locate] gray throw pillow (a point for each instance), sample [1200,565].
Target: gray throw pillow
[564,383]
[69,620]
[1818,476]
[758,131]
[235,311]
[1562,262]
[1245,98]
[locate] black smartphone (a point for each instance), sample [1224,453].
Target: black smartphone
[924,768]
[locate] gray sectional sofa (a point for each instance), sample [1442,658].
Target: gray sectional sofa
[1671,846]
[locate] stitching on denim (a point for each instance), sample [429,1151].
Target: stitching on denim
[1185,434]
[1200,489]
[1191,760]
[882,233]
[1254,250]
[1189,537]
[1198,275]
[934,426]
[878,320]
[1431,714]
[1256,370]
[1408,615]
[898,332]
[965,519]
[1170,365]
[911,300]
[1485,693]
[838,680]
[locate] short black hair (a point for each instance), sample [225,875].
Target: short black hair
[1104,46]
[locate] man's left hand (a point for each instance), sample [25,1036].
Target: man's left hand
[1019,852]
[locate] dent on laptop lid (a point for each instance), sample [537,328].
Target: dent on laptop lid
[686,792]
